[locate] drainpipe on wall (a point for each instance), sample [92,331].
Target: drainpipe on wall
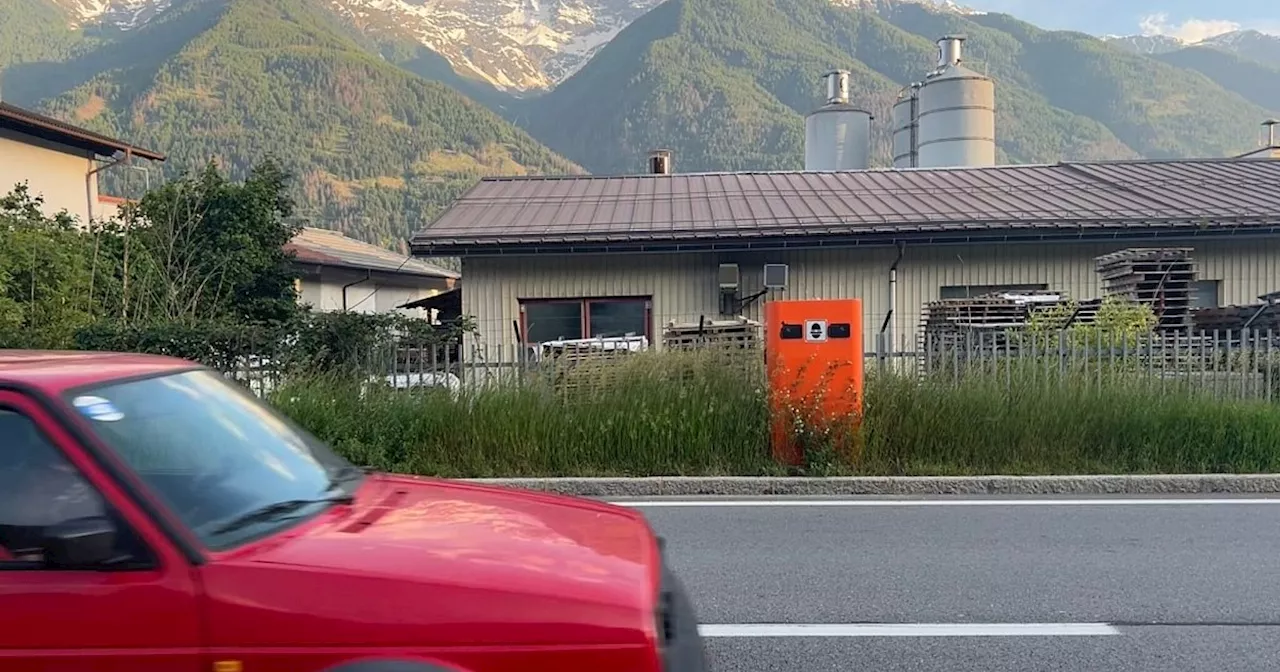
[886,329]
[92,175]
[367,277]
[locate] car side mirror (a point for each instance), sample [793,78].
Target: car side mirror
[80,543]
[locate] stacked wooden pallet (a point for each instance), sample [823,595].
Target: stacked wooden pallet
[993,321]
[1259,317]
[999,311]
[739,333]
[1160,277]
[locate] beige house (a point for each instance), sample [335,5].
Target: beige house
[581,257]
[338,273]
[61,162]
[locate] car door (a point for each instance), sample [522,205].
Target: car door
[137,615]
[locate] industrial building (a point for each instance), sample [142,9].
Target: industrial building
[553,258]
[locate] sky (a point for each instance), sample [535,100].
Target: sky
[1190,20]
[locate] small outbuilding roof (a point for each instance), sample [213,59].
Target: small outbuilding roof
[711,211]
[323,247]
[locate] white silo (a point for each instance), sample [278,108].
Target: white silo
[905,127]
[957,113]
[837,136]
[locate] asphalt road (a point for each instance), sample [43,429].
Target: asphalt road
[1150,586]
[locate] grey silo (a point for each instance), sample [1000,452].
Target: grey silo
[957,113]
[837,136]
[906,127]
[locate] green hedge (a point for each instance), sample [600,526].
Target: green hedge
[696,414]
[309,343]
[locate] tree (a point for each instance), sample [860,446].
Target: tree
[45,274]
[1118,324]
[204,248]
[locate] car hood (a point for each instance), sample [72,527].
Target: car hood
[404,527]
[430,551]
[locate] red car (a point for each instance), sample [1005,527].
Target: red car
[156,517]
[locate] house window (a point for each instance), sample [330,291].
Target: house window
[970,291]
[1206,294]
[545,320]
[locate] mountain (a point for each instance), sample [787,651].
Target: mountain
[118,14]
[514,45]
[1245,62]
[724,83]
[1158,110]
[510,45]
[33,31]
[1253,80]
[1145,44]
[378,150]
[1250,45]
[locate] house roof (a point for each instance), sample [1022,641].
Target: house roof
[768,210]
[25,121]
[330,248]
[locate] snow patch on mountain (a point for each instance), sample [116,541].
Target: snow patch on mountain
[1145,44]
[512,44]
[1250,44]
[123,14]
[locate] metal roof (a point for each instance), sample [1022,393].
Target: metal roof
[736,210]
[330,248]
[48,128]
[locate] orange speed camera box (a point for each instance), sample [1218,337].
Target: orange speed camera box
[813,353]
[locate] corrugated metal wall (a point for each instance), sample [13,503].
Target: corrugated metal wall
[684,286]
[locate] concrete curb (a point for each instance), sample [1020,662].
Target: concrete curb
[680,486]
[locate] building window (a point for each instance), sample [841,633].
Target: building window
[970,291]
[545,320]
[1206,294]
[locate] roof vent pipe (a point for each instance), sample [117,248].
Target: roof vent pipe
[949,48]
[660,162]
[1270,126]
[838,87]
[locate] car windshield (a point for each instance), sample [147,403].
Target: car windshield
[226,464]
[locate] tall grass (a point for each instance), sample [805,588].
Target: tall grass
[678,413]
[707,414]
[987,424]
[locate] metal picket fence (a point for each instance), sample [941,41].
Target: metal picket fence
[1224,364]
[1241,364]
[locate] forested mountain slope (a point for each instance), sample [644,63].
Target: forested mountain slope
[378,150]
[725,84]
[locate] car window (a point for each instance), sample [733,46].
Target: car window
[40,487]
[212,452]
